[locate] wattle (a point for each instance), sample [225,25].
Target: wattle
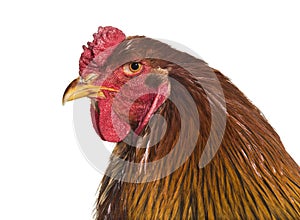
[107,124]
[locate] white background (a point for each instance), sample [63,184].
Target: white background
[43,173]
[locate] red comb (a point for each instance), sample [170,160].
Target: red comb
[106,37]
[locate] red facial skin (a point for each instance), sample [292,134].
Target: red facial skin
[134,103]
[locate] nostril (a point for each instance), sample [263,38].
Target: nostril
[90,77]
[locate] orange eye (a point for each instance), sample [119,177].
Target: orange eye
[132,68]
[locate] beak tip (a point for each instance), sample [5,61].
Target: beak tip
[64,99]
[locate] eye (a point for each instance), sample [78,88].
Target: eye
[132,68]
[135,66]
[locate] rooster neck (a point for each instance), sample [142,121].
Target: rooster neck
[250,177]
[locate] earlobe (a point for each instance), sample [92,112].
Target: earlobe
[157,78]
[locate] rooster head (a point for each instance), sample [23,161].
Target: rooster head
[125,87]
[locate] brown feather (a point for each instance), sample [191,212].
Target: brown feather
[250,177]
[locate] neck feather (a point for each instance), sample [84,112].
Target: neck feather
[250,176]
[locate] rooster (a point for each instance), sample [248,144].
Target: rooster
[190,145]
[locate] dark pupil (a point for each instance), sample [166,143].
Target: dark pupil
[134,66]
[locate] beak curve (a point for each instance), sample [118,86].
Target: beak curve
[78,89]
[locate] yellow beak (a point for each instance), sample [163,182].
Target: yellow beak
[78,89]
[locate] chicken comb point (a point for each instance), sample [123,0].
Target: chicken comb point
[105,38]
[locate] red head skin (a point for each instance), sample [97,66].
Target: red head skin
[134,103]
